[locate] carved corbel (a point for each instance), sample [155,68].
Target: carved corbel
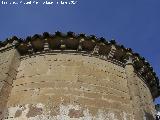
[112,52]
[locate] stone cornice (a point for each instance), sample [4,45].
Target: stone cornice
[108,50]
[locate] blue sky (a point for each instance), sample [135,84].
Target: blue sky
[133,23]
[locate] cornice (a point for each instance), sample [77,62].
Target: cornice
[108,50]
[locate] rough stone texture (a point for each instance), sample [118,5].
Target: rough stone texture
[44,84]
[67,86]
[137,91]
[9,62]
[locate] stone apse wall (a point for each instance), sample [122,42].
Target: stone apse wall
[71,85]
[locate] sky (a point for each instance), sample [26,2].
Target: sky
[132,23]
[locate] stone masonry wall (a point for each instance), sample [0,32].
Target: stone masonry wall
[70,86]
[63,86]
[140,96]
[74,77]
[9,62]
[146,100]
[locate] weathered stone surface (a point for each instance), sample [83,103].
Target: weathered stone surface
[33,111]
[71,85]
[9,63]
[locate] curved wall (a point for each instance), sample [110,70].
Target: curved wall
[64,86]
[74,77]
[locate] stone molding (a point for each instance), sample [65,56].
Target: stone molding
[85,45]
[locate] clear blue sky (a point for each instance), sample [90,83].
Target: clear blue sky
[133,23]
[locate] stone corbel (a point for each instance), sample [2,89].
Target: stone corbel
[95,50]
[112,52]
[80,46]
[30,50]
[46,46]
[63,46]
[129,59]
